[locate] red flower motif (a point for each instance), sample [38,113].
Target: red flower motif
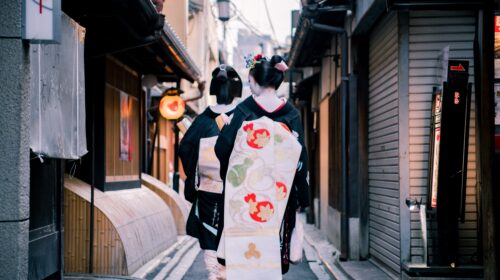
[257,138]
[258,57]
[260,211]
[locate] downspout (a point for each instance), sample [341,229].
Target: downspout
[344,248]
[201,90]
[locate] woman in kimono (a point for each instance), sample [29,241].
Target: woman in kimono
[250,160]
[203,186]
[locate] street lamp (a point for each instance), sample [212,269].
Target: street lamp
[172,107]
[224,10]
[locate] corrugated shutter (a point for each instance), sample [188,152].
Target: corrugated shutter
[430,32]
[383,142]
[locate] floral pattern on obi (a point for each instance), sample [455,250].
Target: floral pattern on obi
[257,138]
[260,175]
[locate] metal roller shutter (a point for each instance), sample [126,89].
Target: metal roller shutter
[429,33]
[383,142]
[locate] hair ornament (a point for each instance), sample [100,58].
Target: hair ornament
[251,60]
[281,66]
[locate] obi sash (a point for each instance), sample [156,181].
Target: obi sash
[260,174]
[210,185]
[209,167]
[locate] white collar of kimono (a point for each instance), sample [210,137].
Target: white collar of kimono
[221,108]
[269,101]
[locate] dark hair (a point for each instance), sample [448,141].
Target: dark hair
[265,74]
[226,84]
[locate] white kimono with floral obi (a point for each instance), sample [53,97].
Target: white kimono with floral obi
[259,178]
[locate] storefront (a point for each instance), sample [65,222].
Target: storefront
[126,223]
[397,52]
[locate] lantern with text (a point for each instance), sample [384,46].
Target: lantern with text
[172,106]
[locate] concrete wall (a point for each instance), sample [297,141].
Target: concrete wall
[14,147]
[176,14]
[366,14]
[203,46]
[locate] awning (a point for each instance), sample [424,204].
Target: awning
[435,4]
[308,44]
[134,32]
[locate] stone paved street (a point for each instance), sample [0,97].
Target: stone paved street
[301,271]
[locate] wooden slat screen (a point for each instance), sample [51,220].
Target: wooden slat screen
[119,78]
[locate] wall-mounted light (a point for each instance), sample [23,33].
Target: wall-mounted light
[417,206]
[224,9]
[172,106]
[413,204]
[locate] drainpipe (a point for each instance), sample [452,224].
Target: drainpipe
[344,248]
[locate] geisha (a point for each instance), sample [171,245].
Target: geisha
[203,185]
[263,165]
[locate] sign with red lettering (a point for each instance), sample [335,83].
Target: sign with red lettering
[42,20]
[457,68]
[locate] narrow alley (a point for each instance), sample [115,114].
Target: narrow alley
[248,140]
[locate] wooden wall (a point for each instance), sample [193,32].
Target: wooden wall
[164,147]
[120,78]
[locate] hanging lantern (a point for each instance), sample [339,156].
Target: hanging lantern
[172,106]
[224,9]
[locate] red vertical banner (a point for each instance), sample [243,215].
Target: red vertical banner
[497,37]
[125,110]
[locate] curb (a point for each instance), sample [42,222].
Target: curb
[326,252]
[162,265]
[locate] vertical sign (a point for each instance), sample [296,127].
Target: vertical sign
[42,20]
[497,70]
[125,153]
[436,119]
[441,77]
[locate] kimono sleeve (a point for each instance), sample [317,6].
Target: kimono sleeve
[188,153]
[301,180]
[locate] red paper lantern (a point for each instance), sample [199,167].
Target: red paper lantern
[172,107]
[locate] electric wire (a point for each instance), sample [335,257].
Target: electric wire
[271,23]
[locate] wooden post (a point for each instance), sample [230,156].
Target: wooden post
[485,129]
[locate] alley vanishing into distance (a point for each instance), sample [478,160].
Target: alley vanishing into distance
[242,140]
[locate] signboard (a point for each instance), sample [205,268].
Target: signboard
[452,138]
[497,47]
[42,20]
[125,119]
[497,104]
[436,141]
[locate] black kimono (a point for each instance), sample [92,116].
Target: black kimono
[249,110]
[204,216]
